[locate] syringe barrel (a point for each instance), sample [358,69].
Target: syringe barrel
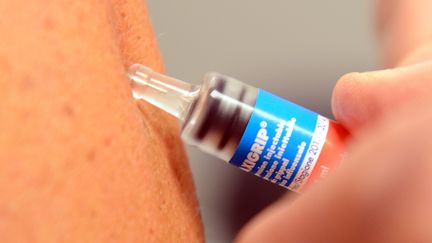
[263,134]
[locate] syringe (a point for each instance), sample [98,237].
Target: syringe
[250,128]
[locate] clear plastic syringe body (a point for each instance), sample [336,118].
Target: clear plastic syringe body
[250,128]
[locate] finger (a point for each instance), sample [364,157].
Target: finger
[360,98]
[404,27]
[376,196]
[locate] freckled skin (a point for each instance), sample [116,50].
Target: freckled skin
[79,162]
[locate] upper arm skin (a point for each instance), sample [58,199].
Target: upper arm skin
[78,161]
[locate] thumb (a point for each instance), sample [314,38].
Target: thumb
[362,97]
[405,34]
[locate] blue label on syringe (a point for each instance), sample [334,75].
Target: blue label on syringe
[281,142]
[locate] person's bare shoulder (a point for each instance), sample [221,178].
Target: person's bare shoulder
[78,160]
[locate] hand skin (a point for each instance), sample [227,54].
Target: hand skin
[78,160]
[381,193]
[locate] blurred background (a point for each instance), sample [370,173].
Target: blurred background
[295,49]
